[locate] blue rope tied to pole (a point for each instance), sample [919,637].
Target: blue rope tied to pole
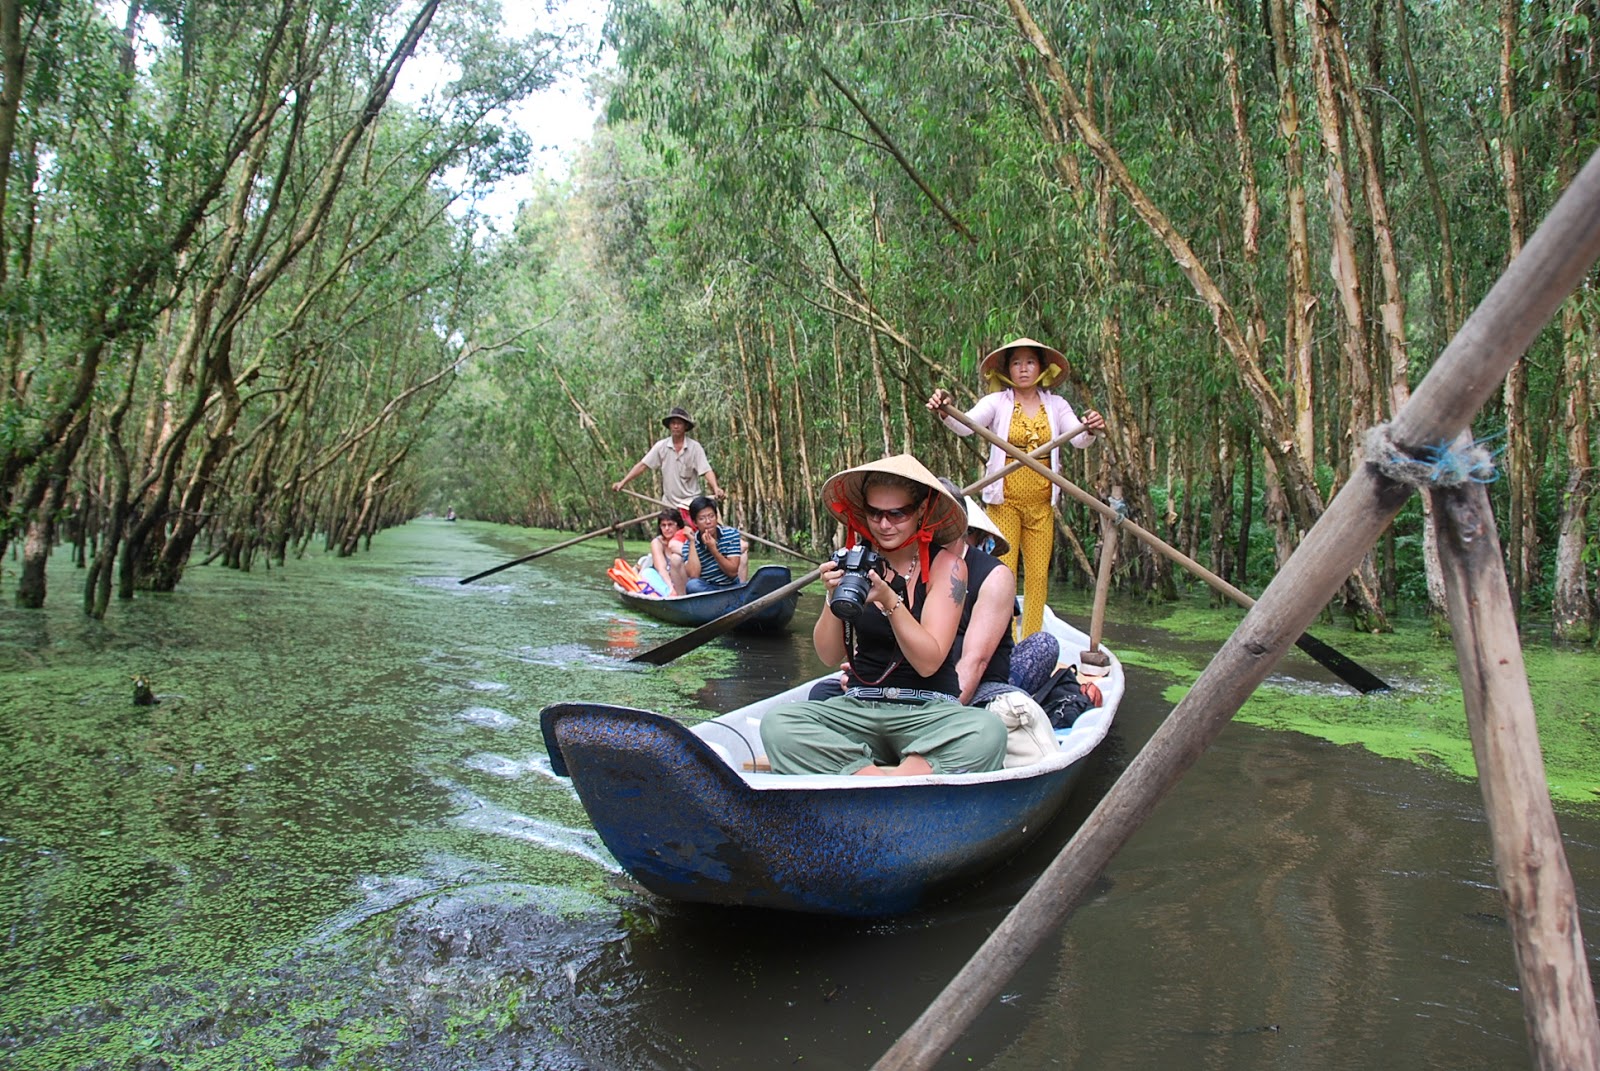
[1439,465]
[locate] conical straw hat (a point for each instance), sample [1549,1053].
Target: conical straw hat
[844,496]
[992,369]
[977,518]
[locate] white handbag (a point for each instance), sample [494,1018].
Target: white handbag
[1030,737]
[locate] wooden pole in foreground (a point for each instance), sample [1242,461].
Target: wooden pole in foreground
[1466,376]
[1541,903]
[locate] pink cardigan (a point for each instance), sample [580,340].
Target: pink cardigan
[993,411]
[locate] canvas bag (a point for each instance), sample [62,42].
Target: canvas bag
[1029,736]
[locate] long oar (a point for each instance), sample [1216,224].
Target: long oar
[747,535]
[660,656]
[541,553]
[1353,674]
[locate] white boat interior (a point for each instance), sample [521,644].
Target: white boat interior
[736,736]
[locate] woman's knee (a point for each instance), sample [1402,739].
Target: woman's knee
[778,726]
[990,734]
[980,749]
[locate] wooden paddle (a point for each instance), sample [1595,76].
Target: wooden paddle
[1353,674]
[747,535]
[660,656]
[618,526]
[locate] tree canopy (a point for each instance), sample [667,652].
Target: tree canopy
[1251,227]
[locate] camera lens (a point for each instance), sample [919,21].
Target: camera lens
[850,597]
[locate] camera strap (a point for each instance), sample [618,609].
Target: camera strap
[850,645]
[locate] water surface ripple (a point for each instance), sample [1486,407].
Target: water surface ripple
[337,842]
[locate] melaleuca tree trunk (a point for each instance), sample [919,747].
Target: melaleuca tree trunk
[1521,535]
[1300,298]
[1357,373]
[40,506]
[1573,604]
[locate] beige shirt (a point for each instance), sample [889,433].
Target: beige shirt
[680,469]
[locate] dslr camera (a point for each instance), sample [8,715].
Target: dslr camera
[850,597]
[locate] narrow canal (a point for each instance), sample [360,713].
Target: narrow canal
[336,842]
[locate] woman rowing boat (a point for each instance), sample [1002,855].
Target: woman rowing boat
[1021,410]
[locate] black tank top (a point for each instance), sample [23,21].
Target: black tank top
[876,649]
[979,566]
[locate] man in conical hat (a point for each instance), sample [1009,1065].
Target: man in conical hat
[891,626]
[988,662]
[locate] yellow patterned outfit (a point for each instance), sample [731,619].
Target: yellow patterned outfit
[1027,519]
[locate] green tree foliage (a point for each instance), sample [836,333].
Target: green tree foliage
[235,283]
[801,217]
[246,312]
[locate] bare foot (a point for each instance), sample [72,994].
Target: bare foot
[914,766]
[910,766]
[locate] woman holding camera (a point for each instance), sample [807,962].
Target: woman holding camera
[891,626]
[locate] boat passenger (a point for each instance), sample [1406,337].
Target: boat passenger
[714,555]
[666,550]
[899,714]
[988,662]
[681,460]
[1022,411]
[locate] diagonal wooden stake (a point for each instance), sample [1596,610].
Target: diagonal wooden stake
[1535,881]
[1466,376]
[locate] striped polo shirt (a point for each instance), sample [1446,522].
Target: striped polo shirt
[729,543]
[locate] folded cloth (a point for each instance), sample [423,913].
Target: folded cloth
[826,689]
[1033,660]
[654,580]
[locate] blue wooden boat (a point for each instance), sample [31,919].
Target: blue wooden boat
[689,814]
[696,610]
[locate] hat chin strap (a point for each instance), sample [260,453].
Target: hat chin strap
[1047,378]
[924,538]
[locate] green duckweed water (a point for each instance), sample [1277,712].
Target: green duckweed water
[1423,719]
[334,741]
